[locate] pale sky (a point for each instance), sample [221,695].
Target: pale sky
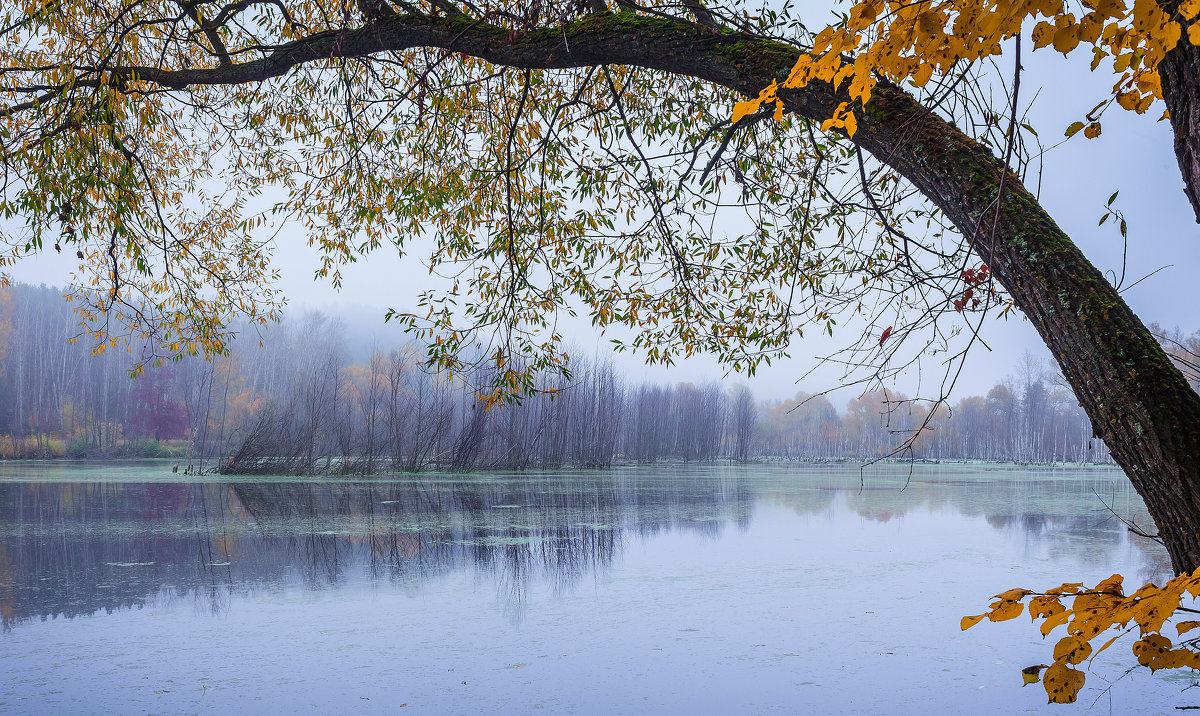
[1134,156]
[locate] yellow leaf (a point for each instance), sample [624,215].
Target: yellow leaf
[1074,129]
[1044,606]
[930,22]
[1066,39]
[1185,627]
[862,82]
[1107,8]
[842,74]
[1067,587]
[968,622]
[1155,652]
[1014,594]
[1092,130]
[1062,683]
[1171,32]
[1031,674]
[1071,650]
[1150,648]
[851,124]
[1128,100]
[1005,609]
[798,77]
[1055,620]
[988,23]
[1043,35]
[1090,624]
[741,109]
[1089,30]
[1112,584]
[863,14]
[1194,33]
[922,74]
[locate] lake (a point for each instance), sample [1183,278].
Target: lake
[668,589]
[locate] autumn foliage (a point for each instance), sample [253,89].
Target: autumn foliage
[1088,614]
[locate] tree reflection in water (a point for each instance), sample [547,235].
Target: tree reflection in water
[78,548]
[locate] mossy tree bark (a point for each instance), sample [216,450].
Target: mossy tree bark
[1139,403]
[1180,75]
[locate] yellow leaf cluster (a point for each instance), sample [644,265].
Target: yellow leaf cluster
[1007,606]
[913,42]
[1093,612]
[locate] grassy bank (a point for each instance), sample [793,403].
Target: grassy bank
[48,447]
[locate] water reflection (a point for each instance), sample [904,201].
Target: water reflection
[79,548]
[1075,514]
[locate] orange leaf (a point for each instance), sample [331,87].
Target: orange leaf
[851,124]
[1071,650]
[1066,39]
[1055,620]
[1062,683]
[1150,648]
[1030,674]
[1155,652]
[1044,606]
[968,622]
[1112,584]
[1005,609]
[741,109]
[1067,587]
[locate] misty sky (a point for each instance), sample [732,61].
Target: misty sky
[1134,155]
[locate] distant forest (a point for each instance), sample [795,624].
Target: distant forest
[300,405]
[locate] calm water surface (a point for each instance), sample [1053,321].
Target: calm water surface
[705,590]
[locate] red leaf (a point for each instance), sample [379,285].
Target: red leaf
[886,332]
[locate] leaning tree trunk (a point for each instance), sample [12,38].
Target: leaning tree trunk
[1180,75]
[1139,403]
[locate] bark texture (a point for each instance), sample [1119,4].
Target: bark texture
[1180,75]
[1139,403]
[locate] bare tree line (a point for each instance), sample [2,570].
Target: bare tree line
[298,404]
[391,414]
